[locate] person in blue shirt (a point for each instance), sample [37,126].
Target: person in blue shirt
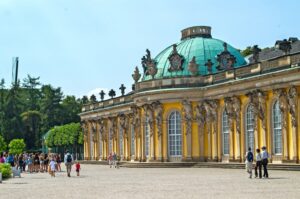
[265,156]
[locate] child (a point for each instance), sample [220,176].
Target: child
[52,165]
[77,167]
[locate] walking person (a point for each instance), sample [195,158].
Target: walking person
[52,168]
[258,164]
[77,166]
[110,160]
[265,156]
[114,157]
[68,159]
[249,162]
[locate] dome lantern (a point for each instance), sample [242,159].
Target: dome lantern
[196,31]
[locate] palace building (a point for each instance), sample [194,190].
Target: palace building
[201,100]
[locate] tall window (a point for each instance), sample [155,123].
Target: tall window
[249,128]
[277,129]
[121,141]
[110,146]
[91,145]
[147,137]
[225,133]
[174,131]
[100,145]
[132,149]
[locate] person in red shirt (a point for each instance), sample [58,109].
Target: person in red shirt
[77,165]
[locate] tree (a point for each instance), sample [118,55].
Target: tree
[17,146]
[70,109]
[247,51]
[31,121]
[50,107]
[69,135]
[31,84]
[3,144]
[13,127]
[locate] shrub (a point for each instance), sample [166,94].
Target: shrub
[16,146]
[5,169]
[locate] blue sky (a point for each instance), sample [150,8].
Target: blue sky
[84,45]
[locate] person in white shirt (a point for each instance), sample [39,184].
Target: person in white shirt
[258,164]
[264,157]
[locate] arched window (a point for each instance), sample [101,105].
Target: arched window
[225,133]
[147,137]
[277,129]
[121,141]
[174,134]
[249,127]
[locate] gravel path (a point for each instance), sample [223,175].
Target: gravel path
[98,181]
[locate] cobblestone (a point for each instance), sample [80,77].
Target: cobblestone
[98,181]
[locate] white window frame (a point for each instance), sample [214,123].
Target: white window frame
[277,129]
[147,137]
[249,125]
[225,133]
[174,135]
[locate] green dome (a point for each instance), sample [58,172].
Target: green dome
[203,47]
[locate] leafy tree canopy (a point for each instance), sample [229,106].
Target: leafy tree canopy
[17,146]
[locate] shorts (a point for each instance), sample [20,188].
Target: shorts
[77,170]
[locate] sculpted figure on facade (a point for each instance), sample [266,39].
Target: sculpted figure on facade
[281,96]
[200,114]
[136,120]
[258,101]
[229,111]
[187,114]
[148,109]
[123,122]
[262,107]
[292,104]
[84,128]
[233,109]
[112,128]
[102,128]
[158,111]
[210,107]
[94,130]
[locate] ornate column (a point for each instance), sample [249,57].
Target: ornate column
[158,114]
[187,115]
[101,137]
[95,139]
[148,113]
[233,111]
[292,107]
[281,96]
[200,118]
[214,116]
[261,96]
[237,116]
[136,122]
[208,121]
[84,128]
[123,122]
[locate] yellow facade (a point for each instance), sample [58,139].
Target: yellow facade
[211,117]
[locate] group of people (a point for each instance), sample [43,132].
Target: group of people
[113,160]
[261,161]
[40,162]
[31,162]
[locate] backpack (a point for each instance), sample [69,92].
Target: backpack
[69,158]
[250,157]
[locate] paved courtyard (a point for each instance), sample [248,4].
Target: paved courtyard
[102,182]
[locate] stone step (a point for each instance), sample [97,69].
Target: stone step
[287,167]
